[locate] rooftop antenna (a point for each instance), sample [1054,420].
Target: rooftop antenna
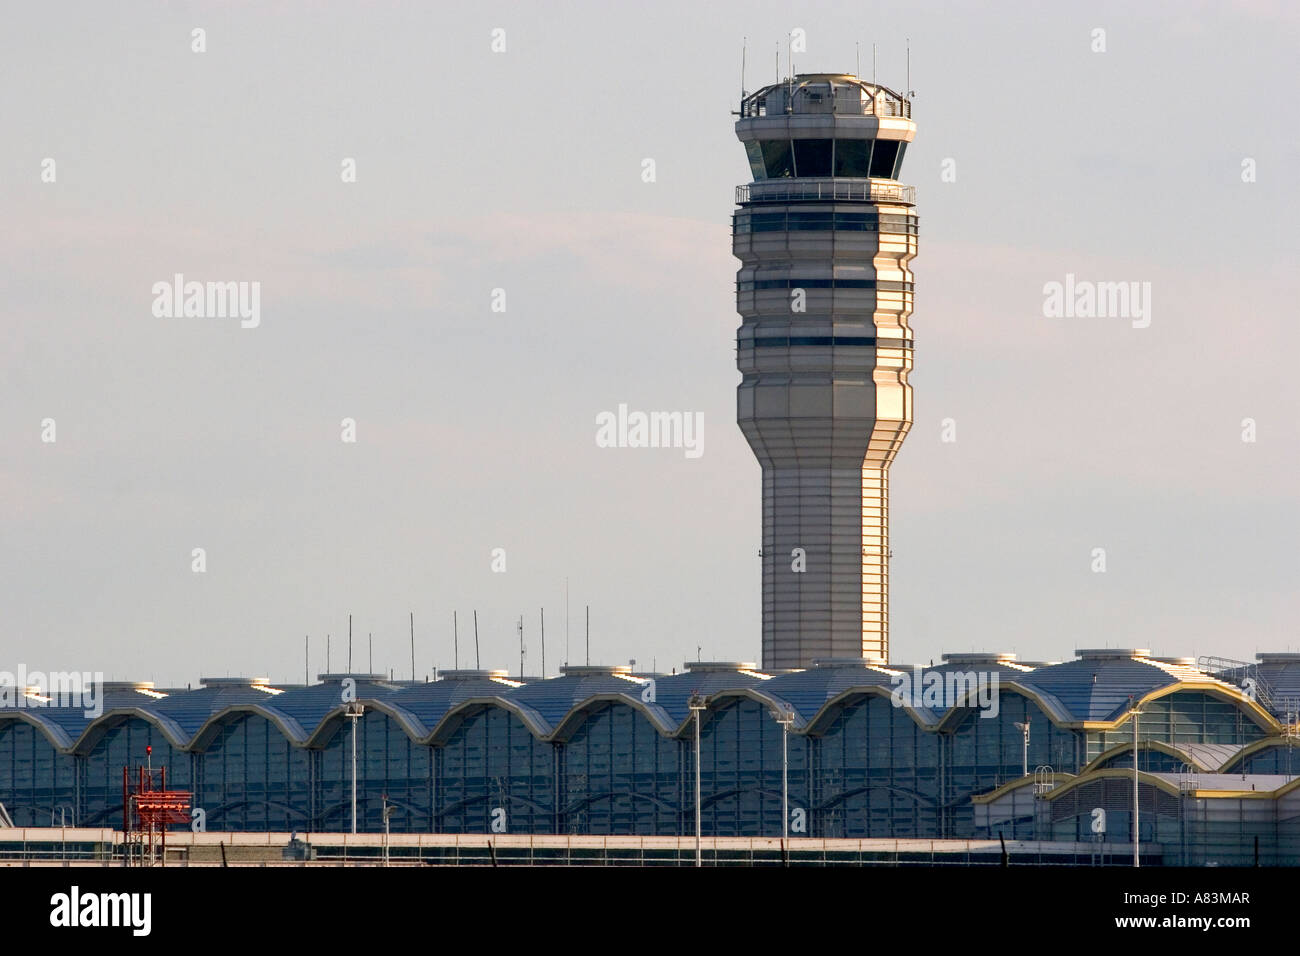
[306,659]
[588,635]
[476,662]
[412,645]
[543,613]
[910,91]
[327,654]
[744,46]
[521,647]
[566,621]
[857,58]
[455,643]
[372,651]
[778,62]
[873,68]
[349,643]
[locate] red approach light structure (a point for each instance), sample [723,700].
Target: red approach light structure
[147,809]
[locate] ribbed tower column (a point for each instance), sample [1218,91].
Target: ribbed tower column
[825,235]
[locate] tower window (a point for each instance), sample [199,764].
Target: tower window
[812,157]
[852,157]
[777,158]
[882,159]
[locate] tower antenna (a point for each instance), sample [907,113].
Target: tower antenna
[909,68]
[744,45]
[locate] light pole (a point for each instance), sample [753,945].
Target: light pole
[697,706]
[1024,762]
[388,812]
[1136,832]
[353,713]
[785,718]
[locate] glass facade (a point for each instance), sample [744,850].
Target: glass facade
[858,765]
[808,158]
[37,783]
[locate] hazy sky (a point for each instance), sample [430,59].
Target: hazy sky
[521,170]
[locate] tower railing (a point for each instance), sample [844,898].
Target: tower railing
[785,190]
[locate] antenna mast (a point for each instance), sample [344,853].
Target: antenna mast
[909,68]
[744,46]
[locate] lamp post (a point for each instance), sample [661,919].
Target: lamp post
[697,705]
[388,812]
[1024,761]
[1136,832]
[785,718]
[353,713]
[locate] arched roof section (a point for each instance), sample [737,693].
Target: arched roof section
[810,692]
[1254,747]
[97,728]
[40,720]
[191,710]
[530,718]
[656,715]
[997,793]
[1205,758]
[430,702]
[708,679]
[310,706]
[554,699]
[290,728]
[409,723]
[1097,686]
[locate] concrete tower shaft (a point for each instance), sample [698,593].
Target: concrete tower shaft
[825,235]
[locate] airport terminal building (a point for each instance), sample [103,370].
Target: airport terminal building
[825,737]
[600,750]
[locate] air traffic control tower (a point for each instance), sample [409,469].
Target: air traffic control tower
[825,235]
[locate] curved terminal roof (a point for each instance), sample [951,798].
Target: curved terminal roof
[1099,684]
[1096,688]
[553,699]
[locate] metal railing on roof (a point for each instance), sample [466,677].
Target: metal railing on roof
[1245,675]
[785,190]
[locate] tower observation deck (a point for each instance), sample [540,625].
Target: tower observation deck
[825,235]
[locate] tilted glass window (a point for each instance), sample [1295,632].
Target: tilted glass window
[812,157]
[882,159]
[898,163]
[777,158]
[852,157]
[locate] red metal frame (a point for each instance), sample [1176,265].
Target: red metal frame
[148,807]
